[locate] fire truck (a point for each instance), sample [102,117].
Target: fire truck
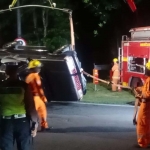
[133,54]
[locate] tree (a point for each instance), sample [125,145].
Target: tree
[51,27]
[103,9]
[39,26]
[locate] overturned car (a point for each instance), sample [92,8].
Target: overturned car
[61,72]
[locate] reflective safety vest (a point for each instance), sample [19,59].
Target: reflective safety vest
[12,100]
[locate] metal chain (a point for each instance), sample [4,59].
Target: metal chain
[34,20]
[44,21]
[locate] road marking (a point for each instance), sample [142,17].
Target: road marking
[84,103]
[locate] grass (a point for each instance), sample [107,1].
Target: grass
[104,95]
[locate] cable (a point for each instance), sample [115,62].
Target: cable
[51,4]
[42,6]
[12,4]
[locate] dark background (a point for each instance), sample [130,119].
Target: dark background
[102,48]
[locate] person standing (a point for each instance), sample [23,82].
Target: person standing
[17,110]
[34,80]
[115,74]
[142,120]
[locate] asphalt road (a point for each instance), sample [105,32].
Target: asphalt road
[88,127]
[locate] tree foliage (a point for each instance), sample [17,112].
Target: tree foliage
[39,26]
[51,27]
[103,9]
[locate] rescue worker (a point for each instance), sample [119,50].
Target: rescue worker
[34,80]
[17,109]
[143,119]
[115,74]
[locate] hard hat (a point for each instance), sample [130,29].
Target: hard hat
[34,64]
[148,65]
[115,60]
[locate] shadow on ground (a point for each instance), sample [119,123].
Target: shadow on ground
[131,103]
[91,129]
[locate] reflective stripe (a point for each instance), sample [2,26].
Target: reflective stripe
[116,77]
[125,59]
[17,116]
[125,84]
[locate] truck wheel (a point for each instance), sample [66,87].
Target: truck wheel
[136,82]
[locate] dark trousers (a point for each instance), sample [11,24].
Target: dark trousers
[15,130]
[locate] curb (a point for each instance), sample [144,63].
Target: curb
[96,104]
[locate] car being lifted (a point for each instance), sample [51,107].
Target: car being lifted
[61,75]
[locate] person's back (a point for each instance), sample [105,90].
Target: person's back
[12,97]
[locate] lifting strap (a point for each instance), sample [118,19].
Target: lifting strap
[51,4]
[12,4]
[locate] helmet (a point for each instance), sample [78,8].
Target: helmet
[34,64]
[148,65]
[115,60]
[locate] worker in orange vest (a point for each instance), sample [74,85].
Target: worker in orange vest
[115,74]
[34,80]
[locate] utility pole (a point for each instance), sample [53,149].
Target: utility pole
[18,20]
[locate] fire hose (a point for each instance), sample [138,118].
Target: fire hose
[107,82]
[133,90]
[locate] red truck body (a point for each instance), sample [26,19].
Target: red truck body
[133,55]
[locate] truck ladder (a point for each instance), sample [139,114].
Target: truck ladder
[120,58]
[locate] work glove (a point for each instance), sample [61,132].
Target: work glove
[136,93]
[109,83]
[134,121]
